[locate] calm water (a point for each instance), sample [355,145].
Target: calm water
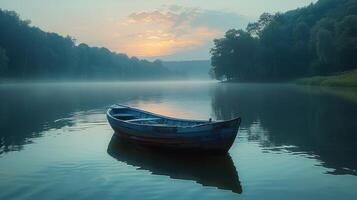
[294,143]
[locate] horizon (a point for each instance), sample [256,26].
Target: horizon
[179,31]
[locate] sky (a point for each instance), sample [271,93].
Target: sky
[150,29]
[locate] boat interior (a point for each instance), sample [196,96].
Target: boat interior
[140,117]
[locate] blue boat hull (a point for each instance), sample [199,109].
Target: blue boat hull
[210,136]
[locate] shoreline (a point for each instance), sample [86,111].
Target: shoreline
[344,79]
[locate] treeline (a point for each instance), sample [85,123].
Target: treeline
[319,39]
[27,52]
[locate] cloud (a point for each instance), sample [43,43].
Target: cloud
[172,29]
[148,17]
[162,42]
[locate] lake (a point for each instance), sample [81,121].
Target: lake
[295,142]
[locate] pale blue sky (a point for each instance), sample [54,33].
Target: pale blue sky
[173,30]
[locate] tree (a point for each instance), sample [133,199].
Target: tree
[3,61]
[234,56]
[256,28]
[347,42]
[324,45]
[318,39]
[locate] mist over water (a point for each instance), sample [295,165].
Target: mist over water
[55,142]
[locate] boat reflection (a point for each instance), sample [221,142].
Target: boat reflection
[208,170]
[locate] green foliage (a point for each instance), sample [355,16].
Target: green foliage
[238,48]
[3,61]
[33,53]
[256,28]
[347,79]
[319,39]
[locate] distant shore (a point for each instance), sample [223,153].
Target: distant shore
[346,79]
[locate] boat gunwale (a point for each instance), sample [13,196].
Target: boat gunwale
[162,116]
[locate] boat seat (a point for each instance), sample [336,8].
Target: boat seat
[119,108]
[143,119]
[124,116]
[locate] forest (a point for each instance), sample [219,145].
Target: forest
[27,52]
[319,39]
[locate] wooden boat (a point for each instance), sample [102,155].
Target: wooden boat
[159,131]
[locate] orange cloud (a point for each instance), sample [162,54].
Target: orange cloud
[160,43]
[160,33]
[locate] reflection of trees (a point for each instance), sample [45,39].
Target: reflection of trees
[208,170]
[317,123]
[27,111]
